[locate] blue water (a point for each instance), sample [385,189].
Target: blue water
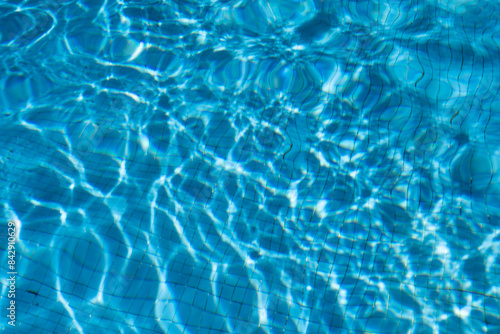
[255,166]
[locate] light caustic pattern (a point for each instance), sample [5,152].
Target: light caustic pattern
[253,166]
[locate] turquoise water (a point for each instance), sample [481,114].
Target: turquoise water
[258,166]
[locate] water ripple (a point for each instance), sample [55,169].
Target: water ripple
[252,166]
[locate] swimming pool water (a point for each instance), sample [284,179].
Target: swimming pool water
[253,166]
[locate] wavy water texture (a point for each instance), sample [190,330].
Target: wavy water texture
[252,166]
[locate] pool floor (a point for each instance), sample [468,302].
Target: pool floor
[250,166]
